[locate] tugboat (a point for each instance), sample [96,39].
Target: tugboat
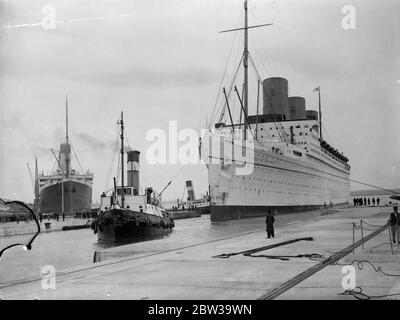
[127,216]
[202,205]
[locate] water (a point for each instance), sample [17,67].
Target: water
[61,249]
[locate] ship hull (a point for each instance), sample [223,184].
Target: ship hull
[221,213]
[77,197]
[126,226]
[275,182]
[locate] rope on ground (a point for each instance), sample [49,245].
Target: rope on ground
[380,245]
[360,266]
[255,250]
[360,295]
[371,225]
[311,256]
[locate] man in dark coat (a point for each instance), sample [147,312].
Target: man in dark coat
[269,221]
[393,221]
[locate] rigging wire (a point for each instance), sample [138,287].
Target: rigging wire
[112,162]
[76,156]
[223,77]
[223,107]
[230,89]
[266,52]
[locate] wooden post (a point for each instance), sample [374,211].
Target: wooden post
[362,232]
[390,240]
[354,227]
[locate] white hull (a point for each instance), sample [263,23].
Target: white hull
[278,180]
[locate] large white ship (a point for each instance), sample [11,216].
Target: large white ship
[274,160]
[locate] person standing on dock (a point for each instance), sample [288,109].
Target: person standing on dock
[398,225]
[269,221]
[394,223]
[377,201]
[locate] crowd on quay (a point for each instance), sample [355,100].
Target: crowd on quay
[183,208]
[366,201]
[47,216]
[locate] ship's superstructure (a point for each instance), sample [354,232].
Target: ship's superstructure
[65,190]
[201,204]
[126,214]
[274,160]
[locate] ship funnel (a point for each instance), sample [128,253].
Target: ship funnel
[275,97]
[65,158]
[297,108]
[133,170]
[312,115]
[189,186]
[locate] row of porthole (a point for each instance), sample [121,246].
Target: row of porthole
[299,185]
[318,160]
[289,193]
[286,172]
[331,193]
[280,171]
[284,182]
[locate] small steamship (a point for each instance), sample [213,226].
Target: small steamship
[291,168]
[125,214]
[202,205]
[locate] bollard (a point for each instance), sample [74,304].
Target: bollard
[362,233]
[353,234]
[390,240]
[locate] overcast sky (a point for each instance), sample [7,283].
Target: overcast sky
[165,62]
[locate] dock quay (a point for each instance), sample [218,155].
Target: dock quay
[21,228]
[184,214]
[188,267]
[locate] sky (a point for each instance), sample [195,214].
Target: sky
[163,60]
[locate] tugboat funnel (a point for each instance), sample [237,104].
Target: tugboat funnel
[133,170]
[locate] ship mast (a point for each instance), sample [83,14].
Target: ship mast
[246,70]
[66,119]
[121,122]
[246,63]
[320,115]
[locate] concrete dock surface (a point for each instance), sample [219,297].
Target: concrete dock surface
[183,267]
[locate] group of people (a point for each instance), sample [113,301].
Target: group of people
[85,215]
[366,201]
[394,222]
[55,216]
[189,208]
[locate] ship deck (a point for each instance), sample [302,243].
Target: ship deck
[184,268]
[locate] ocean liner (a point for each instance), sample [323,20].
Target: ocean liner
[125,214]
[274,160]
[65,190]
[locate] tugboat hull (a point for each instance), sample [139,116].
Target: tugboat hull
[129,232]
[123,226]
